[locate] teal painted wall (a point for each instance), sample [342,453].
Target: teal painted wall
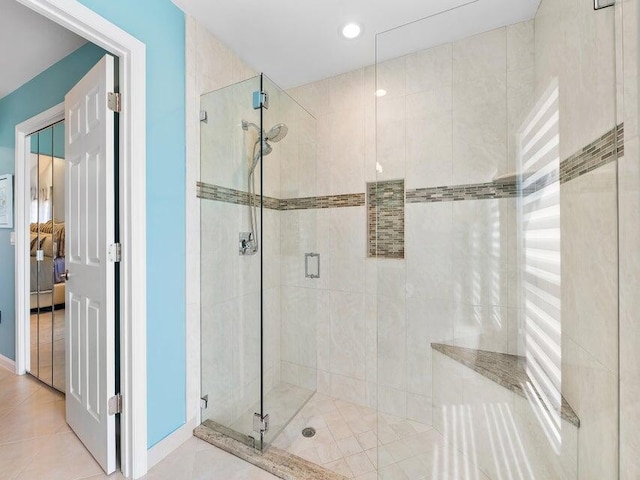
[49,142]
[39,94]
[160,25]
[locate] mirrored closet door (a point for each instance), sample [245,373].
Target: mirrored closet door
[47,265]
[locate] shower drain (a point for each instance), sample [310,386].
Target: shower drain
[308,432]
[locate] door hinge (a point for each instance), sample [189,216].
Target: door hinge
[114,102]
[204,402]
[115,404]
[203,116]
[115,252]
[260,423]
[260,100]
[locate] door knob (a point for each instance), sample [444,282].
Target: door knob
[65,275]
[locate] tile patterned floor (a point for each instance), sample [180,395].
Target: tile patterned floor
[37,444]
[358,443]
[282,403]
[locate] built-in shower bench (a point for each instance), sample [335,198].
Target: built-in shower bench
[506,370]
[486,405]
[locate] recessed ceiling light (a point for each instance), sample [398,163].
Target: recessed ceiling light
[351,30]
[381,93]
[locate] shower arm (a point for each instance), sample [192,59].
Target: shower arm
[246,125]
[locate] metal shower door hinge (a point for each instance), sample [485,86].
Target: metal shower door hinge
[115,252]
[600,4]
[115,404]
[204,402]
[260,423]
[114,102]
[260,99]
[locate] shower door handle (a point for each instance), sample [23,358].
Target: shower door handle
[307,256]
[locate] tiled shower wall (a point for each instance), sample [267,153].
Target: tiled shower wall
[450,117]
[434,88]
[454,283]
[570,38]
[629,198]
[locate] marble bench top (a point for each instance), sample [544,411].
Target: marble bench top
[504,369]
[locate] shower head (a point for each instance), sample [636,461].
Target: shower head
[277,133]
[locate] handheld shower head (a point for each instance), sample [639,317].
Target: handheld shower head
[277,133]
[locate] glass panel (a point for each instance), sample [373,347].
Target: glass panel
[47,254]
[58,195]
[230,264]
[34,246]
[497,320]
[45,263]
[289,244]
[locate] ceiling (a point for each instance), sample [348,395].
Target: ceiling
[297,42]
[29,44]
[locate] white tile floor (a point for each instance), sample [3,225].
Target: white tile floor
[354,441]
[281,403]
[37,444]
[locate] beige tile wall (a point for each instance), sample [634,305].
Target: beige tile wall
[570,39]
[449,117]
[629,215]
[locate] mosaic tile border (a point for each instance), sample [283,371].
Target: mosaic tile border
[229,195]
[328,201]
[598,153]
[239,197]
[476,191]
[385,219]
[595,155]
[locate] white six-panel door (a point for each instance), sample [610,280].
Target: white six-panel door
[90,309]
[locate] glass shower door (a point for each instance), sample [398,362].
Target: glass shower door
[498,322]
[260,264]
[290,258]
[230,262]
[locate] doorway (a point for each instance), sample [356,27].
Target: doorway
[70,212]
[131,79]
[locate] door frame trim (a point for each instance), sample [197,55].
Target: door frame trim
[131,53]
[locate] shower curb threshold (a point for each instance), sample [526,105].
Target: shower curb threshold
[282,464]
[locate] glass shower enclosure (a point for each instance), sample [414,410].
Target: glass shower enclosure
[258,302]
[500,329]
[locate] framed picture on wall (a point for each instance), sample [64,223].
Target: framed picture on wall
[6,201]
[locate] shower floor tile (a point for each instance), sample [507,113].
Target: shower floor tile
[358,443]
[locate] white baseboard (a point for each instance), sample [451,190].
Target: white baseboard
[8,364]
[167,445]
